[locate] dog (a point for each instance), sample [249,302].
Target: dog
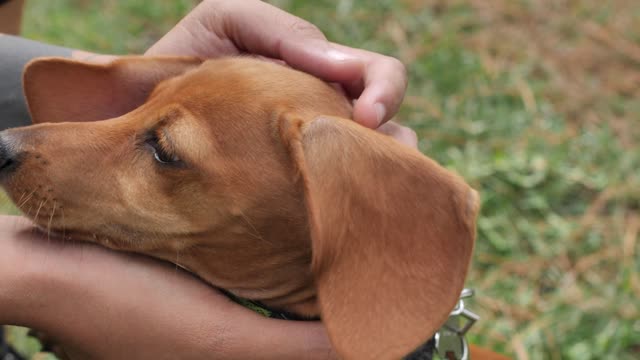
[250,175]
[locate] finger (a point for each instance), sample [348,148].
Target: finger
[324,60]
[222,27]
[378,82]
[385,83]
[401,133]
[259,28]
[196,35]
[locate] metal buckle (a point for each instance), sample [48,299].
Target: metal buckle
[450,339]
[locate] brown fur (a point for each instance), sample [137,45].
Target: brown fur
[11,17]
[278,197]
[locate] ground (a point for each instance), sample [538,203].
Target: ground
[536,103]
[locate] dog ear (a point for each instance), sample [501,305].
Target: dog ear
[60,90]
[392,235]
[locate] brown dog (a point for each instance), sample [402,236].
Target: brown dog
[247,174]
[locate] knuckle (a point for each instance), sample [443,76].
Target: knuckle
[401,133]
[398,67]
[409,133]
[409,136]
[397,80]
[217,5]
[304,28]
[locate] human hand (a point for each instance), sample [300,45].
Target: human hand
[401,133]
[108,305]
[228,27]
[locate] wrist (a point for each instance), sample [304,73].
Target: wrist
[282,339]
[17,288]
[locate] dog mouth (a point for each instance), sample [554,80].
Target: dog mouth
[66,234]
[52,216]
[44,216]
[37,201]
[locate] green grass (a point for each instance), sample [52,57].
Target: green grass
[533,102]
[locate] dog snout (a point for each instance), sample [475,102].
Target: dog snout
[8,157]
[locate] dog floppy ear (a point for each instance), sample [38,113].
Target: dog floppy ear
[392,235]
[60,90]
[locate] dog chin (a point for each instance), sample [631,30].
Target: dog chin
[79,235]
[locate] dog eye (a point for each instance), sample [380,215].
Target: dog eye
[161,155]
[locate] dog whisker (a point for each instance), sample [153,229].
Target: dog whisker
[26,200]
[21,197]
[42,202]
[28,210]
[53,211]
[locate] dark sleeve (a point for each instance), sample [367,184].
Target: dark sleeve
[15,53]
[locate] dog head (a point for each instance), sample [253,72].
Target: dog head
[248,174]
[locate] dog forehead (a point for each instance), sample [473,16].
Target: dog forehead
[222,95]
[191,132]
[214,71]
[233,101]
[241,66]
[214,82]
[256,76]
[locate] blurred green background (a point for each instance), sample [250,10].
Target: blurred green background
[536,103]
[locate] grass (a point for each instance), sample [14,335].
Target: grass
[536,103]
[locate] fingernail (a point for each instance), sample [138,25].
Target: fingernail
[381,112]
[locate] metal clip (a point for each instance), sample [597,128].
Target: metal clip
[450,339]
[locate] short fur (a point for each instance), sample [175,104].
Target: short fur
[277,196]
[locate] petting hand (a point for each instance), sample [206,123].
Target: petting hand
[228,27]
[108,305]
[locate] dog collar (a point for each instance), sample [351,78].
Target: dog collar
[261,309]
[448,343]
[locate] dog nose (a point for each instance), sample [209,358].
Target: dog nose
[8,160]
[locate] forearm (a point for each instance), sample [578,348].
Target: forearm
[96,301]
[15,53]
